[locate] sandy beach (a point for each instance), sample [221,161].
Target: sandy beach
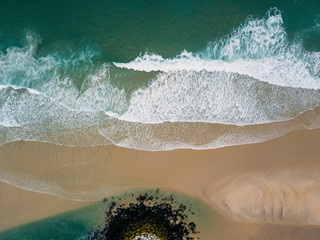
[216,104]
[20,206]
[274,182]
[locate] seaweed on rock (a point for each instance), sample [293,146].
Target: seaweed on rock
[150,217]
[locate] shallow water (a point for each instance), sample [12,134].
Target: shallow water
[90,73]
[83,222]
[210,224]
[156,76]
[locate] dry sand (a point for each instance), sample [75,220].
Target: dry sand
[257,189]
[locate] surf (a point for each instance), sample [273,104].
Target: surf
[258,48]
[251,85]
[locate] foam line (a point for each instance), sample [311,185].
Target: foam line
[259,48]
[250,86]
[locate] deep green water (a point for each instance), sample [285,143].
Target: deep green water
[153,75]
[123,29]
[83,73]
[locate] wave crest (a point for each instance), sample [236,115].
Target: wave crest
[259,48]
[216,97]
[250,86]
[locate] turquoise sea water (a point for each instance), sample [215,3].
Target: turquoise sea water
[71,225]
[154,75]
[81,223]
[158,75]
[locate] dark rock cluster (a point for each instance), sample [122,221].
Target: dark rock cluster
[149,215]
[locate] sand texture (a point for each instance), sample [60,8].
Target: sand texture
[259,191]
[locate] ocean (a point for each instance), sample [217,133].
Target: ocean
[154,76]
[148,75]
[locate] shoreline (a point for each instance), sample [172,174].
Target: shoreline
[19,206]
[214,176]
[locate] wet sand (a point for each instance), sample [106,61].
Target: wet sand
[257,189]
[18,206]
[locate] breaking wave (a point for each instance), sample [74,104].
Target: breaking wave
[250,86]
[259,48]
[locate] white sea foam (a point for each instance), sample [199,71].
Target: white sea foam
[40,99]
[57,77]
[250,86]
[254,75]
[217,97]
[193,135]
[28,116]
[259,48]
[18,87]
